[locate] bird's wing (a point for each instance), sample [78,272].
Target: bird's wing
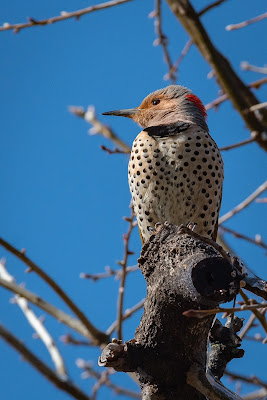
[214,234]
[161,131]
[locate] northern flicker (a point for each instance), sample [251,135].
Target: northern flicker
[175,169]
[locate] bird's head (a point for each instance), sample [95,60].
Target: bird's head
[167,106]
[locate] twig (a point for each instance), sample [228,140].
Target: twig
[246,66]
[257,338]
[257,241]
[123,264]
[69,339]
[257,107]
[109,273]
[246,23]
[61,316]
[248,326]
[257,84]
[127,314]
[257,395]
[98,127]
[259,314]
[63,16]
[91,372]
[48,373]
[244,203]
[96,336]
[163,41]
[175,66]
[253,380]
[204,313]
[210,6]
[115,151]
[239,144]
[215,103]
[261,200]
[37,325]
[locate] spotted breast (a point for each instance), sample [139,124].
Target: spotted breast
[176,176]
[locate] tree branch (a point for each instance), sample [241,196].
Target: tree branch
[98,127]
[256,241]
[48,373]
[127,314]
[232,310]
[123,264]
[240,95]
[63,16]
[37,325]
[97,337]
[239,144]
[163,41]
[244,203]
[259,314]
[246,23]
[253,380]
[210,7]
[61,316]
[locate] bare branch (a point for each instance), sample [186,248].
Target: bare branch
[37,325]
[257,395]
[162,40]
[257,338]
[115,151]
[241,96]
[175,66]
[239,144]
[210,6]
[63,16]
[246,23]
[257,107]
[204,313]
[248,67]
[259,314]
[257,241]
[97,337]
[98,127]
[89,371]
[215,103]
[244,203]
[248,326]
[69,339]
[261,200]
[109,273]
[48,373]
[127,314]
[253,380]
[61,316]
[123,264]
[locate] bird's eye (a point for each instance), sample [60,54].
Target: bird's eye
[155,102]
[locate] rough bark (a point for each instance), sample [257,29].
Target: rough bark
[182,273]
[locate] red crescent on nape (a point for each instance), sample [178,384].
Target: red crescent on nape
[196,100]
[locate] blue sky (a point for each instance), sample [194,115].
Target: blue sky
[63,198]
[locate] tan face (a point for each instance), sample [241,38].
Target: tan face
[153,108]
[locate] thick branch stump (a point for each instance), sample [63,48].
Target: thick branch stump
[182,273]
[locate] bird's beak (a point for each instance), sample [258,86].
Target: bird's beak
[129,113]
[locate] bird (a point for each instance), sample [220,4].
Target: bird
[175,170]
